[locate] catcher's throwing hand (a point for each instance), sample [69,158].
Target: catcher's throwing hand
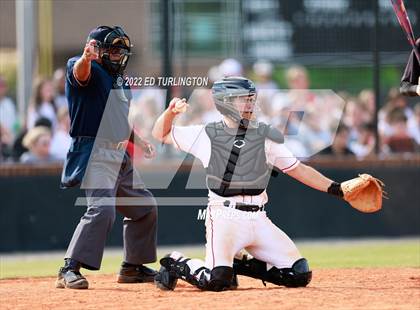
[178,105]
[364,193]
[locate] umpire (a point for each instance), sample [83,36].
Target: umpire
[90,80]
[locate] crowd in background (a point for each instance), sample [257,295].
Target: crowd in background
[314,122]
[43,136]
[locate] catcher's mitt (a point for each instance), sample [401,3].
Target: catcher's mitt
[364,193]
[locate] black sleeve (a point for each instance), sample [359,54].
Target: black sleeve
[410,77]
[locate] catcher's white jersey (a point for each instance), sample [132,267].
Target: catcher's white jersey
[229,230]
[194,140]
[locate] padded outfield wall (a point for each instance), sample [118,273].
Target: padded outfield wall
[35,214]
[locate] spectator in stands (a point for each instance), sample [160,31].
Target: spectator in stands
[313,135]
[297,98]
[297,77]
[364,145]
[400,140]
[339,146]
[214,75]
[5,144]
[263,71]
[37,141]
[267,89]
[8,117]
[42,104]
[59,80]
[18,148]
[61,139]
[308,115]
[367,99]
[356,116]
[395,100]
[298,82]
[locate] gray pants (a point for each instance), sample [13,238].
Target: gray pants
[140,224]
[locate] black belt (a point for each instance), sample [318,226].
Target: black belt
[245,207]
[103,143]
[119,146]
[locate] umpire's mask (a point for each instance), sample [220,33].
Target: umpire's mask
[115,48]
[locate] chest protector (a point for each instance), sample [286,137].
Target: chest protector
[238,165]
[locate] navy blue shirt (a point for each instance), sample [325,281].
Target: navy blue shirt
[94,109]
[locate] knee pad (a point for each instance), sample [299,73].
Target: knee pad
[298,275]
[221,278]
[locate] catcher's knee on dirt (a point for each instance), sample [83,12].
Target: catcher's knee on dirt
[221,278]
[297,276]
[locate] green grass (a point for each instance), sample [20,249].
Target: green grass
[40,267]
[44,267]
[380,253]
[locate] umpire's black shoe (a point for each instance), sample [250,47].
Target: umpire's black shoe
[135,274]
[69,276]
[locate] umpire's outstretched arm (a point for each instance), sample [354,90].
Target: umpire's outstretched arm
[82,67]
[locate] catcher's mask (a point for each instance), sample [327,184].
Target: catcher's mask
[225,91]
[115,48]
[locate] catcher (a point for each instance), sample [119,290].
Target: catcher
[238,154]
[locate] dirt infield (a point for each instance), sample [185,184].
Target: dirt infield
[355,288]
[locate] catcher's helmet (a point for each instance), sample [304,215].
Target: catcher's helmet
[115,40]
[228,88]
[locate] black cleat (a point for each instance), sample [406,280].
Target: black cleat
[71,279]
[136,274]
